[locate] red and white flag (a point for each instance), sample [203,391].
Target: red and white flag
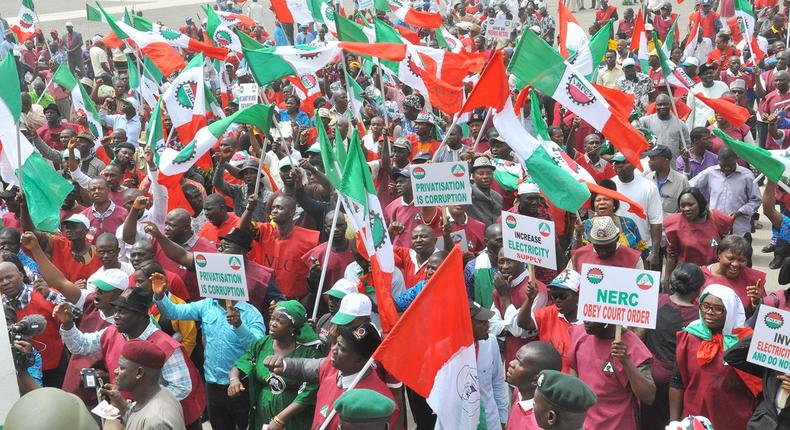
[292,11]
[26,23]
[185,100]
[572,36]
[435,333]
[417,18]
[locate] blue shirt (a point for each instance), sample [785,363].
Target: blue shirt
[302,119]
[224,343]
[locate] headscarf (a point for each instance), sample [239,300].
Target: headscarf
[736,317]
[298,315]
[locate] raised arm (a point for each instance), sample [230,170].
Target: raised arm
[171,249]
[51,274]
[769,205]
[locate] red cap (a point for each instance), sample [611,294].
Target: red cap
[144,353]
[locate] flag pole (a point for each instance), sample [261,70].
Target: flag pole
[482,128]
[45,90]
[327,252]
[353,384]
[675,111]
[51,55]
[19,157]
[447,133]
[260,162]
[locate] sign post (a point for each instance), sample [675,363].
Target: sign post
[616,295]
[770,346]
[498,28]
[221,276]
[439,184]
[529,239]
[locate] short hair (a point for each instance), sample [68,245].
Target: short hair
[698,132]
[735,244]
[9,257]
[609,184]
[544,355]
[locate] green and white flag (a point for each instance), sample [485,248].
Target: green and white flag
[219,33]
[154,133]
[324,13]
[355,100]
[45,189]
[80,99]
[448,41]
[270,64]
[94,14]
[589,57]
[332,165]
[772,164]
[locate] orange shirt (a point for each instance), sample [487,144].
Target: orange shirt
[212,233]
[284,256]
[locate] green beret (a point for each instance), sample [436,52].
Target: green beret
[49,408]
[363,405]
[565,391]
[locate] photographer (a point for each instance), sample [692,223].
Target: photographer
[25,299]
[27,378]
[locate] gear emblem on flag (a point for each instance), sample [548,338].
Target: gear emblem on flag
[26,21]
[169,33]
[309,81]
[222,38]
[469,390]
[378,230]
[185,94]
[185,155]
[578,92]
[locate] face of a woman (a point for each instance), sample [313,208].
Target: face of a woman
[731,264]
[280,326]
[603,205]
[713,312]
[689,207]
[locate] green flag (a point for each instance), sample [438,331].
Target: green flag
[763,160]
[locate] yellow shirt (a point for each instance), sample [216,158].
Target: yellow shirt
[185,331]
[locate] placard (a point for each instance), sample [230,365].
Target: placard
[770,345]
[221,276]
[439,184]
[498,28]
[247,95]
[365,4]
[458,237]
[529,239]
[616,295]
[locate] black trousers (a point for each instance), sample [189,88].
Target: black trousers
[421,412]
[226,413]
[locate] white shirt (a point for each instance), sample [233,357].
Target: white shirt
[700,112]
[119,121]
[256,11]
[98,56]
[644,192]
[499,324]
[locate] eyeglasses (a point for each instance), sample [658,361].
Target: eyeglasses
[560,295]
[712,309]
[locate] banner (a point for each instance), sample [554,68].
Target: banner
[248,95]
[439,184]
[770,345]
[616,295]
[221,276]
[530,240]
[498,28]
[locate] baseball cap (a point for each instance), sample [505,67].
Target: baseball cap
[425,117]
[78,218]
[705,67]
[661,150]
[69,24]
[316,147]
[568,279]
[618,157]
[285,162]
[342,288]
[402,143]
[690,61]
[421,157]
[738,84]
[131,100]
[352,305]
[480,313]
[528,187]
[405,172]
[475,117]
[109,280]
[629,62]
[248,164]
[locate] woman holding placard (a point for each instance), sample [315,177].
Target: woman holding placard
[702,383]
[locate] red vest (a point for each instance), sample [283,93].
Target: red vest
[623,257]
[72,383]
[53,344]
[328,392]
[518,295]
[112,343]
[517,419]
[554,330]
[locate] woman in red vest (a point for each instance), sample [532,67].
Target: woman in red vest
[355,345]
[702,383]
[731,271]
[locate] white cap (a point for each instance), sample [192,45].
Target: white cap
[108,280]
[95,39]
[528,187]
[342,288]
[132,101]
[352,306]
[648,27]
[629,62]
[80,218]
[69,24]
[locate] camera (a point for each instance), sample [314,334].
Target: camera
[30,325]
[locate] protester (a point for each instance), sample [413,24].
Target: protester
[531,359]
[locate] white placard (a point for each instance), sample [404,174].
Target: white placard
[247,95]
[770,345]
[439,184]
[221,276]
[529,239]
[616,295]
[498,28]
[458,237]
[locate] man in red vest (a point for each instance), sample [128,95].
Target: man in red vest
[604,247]
[131,321]
[20,296]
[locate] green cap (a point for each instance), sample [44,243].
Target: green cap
[618,156]
[363,405]
[565,391]
[49,408]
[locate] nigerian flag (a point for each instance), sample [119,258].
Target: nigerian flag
[590,56]
[45,189]
[219,33]
[270,64]
[80,99]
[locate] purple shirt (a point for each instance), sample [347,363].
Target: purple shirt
[695,166]
[105,222]
[734,194]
